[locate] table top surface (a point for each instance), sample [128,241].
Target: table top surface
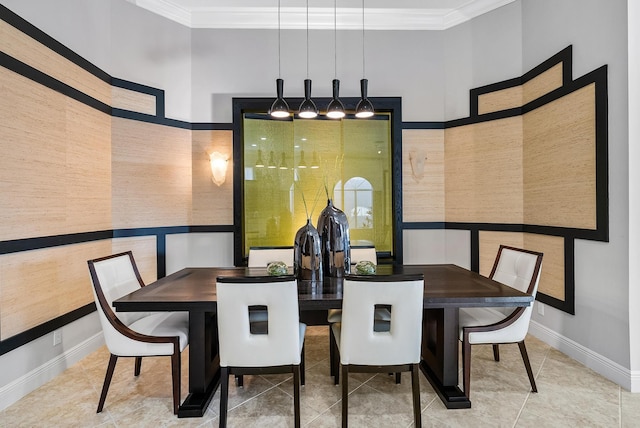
[194,289]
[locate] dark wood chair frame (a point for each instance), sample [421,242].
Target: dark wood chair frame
[126,331]
[513,317]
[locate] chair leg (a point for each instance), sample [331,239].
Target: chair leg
[335,360]
[240,381]
[415,386]
[113,359]
[332,351]
[224,396]
[296,395]
[138,365]
[345,395]
[496,352]
[175,379]
[398,378]
[466,366]
[302,370]
[527,365]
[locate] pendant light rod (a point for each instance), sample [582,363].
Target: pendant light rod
[335,109]
[308,109]
[279,108]
[364,108]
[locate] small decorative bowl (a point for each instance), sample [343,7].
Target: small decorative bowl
[277,268]
[365,267]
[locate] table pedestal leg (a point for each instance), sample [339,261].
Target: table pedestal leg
[440,355]
[204,364]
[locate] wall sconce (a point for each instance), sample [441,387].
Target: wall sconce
[219,164]
[417,158]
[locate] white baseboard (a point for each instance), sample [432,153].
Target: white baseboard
[37,377]
[611,370]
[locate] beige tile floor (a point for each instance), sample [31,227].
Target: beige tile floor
[570,395]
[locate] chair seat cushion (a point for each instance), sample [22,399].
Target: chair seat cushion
[382,314]
[159,324]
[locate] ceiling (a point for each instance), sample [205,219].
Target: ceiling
[379,14]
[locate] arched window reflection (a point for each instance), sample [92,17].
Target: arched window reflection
[357,197]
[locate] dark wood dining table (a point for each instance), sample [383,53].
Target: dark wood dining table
[447,288]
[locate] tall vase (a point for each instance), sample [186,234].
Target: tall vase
[333,228]
[307,256]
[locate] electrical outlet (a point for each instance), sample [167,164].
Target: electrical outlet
[540,308]
[57,337]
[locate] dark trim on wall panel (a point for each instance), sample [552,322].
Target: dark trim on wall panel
[143,89]
[212,126]
[38,76]
[40,36]
[143,117]
[40,330]
[423,125]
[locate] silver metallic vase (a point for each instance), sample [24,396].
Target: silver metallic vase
[333,228]
[307,256]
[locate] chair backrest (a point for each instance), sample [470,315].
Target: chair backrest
[262,256]
[520,269]
[359,254]
[113,277]
[241,348]
[359,343]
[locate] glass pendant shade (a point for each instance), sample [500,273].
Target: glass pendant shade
[283,162]
[308,109]
[335,109]
[272,161]
[279,108]
[259,161]
[364,107]
[302,163]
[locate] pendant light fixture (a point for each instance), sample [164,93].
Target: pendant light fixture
[308,109]
[364,107]
[335,109]
[279,108]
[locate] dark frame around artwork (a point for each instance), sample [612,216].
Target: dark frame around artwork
[392,105]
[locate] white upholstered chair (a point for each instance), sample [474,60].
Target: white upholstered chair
[134,334]
[516,268]
[262,256]
[359,254]
[360,348]
[277,348]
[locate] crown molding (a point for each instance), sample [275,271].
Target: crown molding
[319,18]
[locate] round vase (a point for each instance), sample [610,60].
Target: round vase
[307,256]
[333,228]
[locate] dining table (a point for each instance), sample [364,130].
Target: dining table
[447,288]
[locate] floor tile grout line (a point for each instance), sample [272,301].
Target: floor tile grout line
[536,377]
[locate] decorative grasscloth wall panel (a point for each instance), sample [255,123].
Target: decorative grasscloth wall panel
[212,204]
[423,175]
[55,168]
[133,101]
[20,46]
[151,175]
[559,162]
[543,83]
[552,278]
[483,172]
[144,253]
